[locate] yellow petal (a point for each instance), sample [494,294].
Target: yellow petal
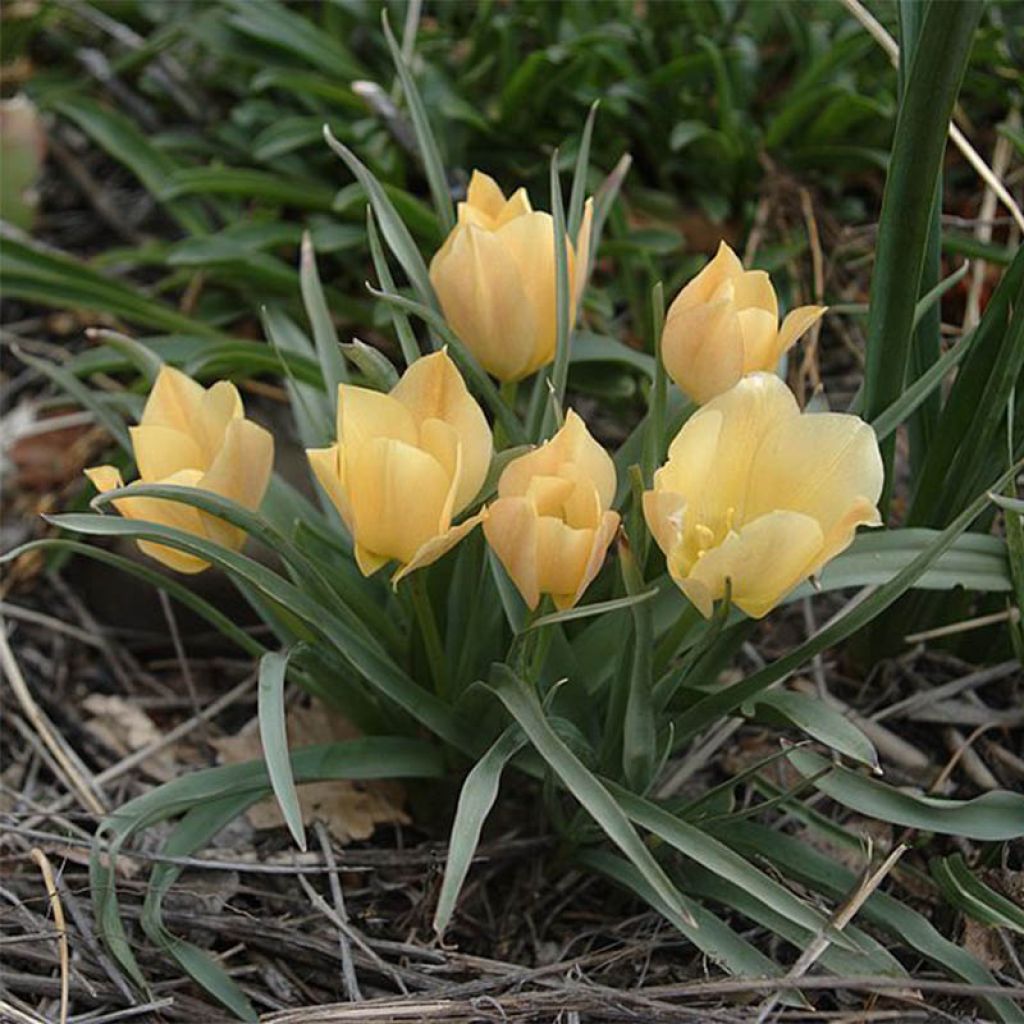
[702,349]
[219,406]
[511,530]
[760,340]
[484,194]
[105,478]
[601,539]
[433,388]
[163,451]
[692,456]
[436,547]
[796,323]
[562,555]
[825,465]
[174,402]
[398,495]
[328,467]
[753,290]
[368,562]
[240,471]
[725,265]
[484,300]
[663,512]
[764,560]
[517,205]
[364,415]
[582,251]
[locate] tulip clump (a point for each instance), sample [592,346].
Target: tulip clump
[725,324]
[552,522]
[495,279]
[405,464]
[193,436]
[758,494]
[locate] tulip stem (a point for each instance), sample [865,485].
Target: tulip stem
[508,391]
[429,632]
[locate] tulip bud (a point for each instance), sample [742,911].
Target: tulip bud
[759,494]
[725,324]
[495,279]
[551,524]
[193,436]
[406,463]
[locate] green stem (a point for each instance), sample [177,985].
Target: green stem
[673,639]
[429,632]
[508,396]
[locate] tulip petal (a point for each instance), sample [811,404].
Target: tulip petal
[436,547]
[433,388]
[753,290]
[483,298]
[764,560]
[563,554]
[760,340]
[724,265]
[367,561]
[825,465]
[241,471]
[796,323]
[511,530]
[663,512]
[174,402]
[328,467]
[602,538]
[398,495]
[163,451]
[364,415]
[702,349]
[581,273]
[517,205]
[220,405]
[484,194]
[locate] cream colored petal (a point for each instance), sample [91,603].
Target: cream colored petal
[581,273]
[105,478]
[548,494]
[397,494]
[174,402]
[368,562]
[765,560]
[592,460]
[485,194]
[862,512]
[328,468]
[529,241]
[697,594]
[753,290]
[724,265]
[663,513]
[602,538]
[702,349]
[437,547]
[799,320]
[750,411]
[692,456]
[179,561]
[220,405]
[511,530]
[433,388]
[364,415]
[484,300]
[562,555]
[517,205]
[823,465]
[241,471]
[440,441]
[760,333]
[162,451]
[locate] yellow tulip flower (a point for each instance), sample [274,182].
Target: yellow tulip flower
[495,279]
[193,436]
[724,324]
[551,524]
[406,463]
[759,494]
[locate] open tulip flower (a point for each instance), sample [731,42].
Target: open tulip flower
[757,493]
[193,436]
[552,524]
[405,464]
[495,279]
[724,324]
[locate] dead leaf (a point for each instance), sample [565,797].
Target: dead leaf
[125,728]
[349,809]
[983,944]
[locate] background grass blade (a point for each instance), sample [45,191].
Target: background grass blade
[933,81]
[332,364]
[274,739]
